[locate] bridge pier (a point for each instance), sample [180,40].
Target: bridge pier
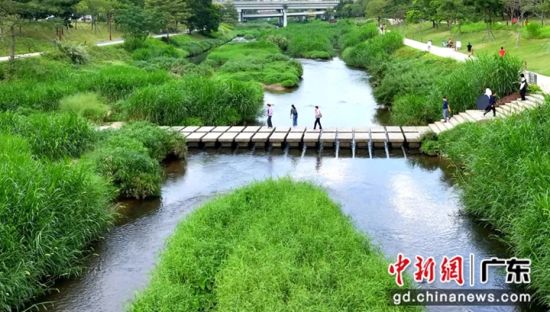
[283,19]
[240,15]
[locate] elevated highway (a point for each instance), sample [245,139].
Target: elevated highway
[248,9]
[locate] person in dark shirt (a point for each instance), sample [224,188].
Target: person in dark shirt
[294,115]
[470,51]
[492,105]
[446,109]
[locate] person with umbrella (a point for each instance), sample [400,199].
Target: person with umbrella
[483,101]
[446,109]
[492,105]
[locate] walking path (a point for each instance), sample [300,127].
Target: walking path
[542,81]
[99,44]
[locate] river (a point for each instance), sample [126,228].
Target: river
[405,203]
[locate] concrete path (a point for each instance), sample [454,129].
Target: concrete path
[502,111]
[542,81]
[99,44]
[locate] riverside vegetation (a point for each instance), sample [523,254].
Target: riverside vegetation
[307,256]
[504,166]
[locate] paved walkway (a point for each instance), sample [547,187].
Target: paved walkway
[542,81]
[99,44]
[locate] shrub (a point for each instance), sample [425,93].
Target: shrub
[534,30]
[154,48]
[117,81]
[130,157]
[159,142]
[126,163]
[411,109]
[53,135]
[279,40]
[74,53]
[373,51]
[87,105]
[50,213]
[229,255]
[358,34]
[213,102]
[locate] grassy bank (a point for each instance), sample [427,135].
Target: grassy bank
[504,172]
[532,48]
[413,83]
[58,183]
[272,246]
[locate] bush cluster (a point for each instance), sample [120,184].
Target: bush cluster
[196,99]
[129,158]
[51,135]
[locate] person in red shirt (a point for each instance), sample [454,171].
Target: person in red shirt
[502,52]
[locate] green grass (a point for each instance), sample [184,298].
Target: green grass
[533,51]
[196,101]
[504,172]
[272,246]
[39,36]
[50,212]
[87,105]
[255,61]
[51,135]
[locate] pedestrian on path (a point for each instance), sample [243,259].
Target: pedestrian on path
[269,115]
[429,46]
[446,109]
[523,87]
[470,50]
[318,117]
[492,105]
[294,115]
[502,52]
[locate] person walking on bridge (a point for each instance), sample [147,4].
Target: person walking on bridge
[269,115]
[318,117]
[294,116]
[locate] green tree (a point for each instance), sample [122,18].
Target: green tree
[10,18]
[135,22]
[228,13]
[168,12]
[204,16]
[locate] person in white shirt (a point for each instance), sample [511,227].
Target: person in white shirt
[429,45]
[318,117]
[269,115]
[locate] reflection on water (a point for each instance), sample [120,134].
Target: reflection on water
[343,94]
[404,204]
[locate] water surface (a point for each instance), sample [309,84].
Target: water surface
[342,93]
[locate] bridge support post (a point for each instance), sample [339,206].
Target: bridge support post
[240,15]
[285,19]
